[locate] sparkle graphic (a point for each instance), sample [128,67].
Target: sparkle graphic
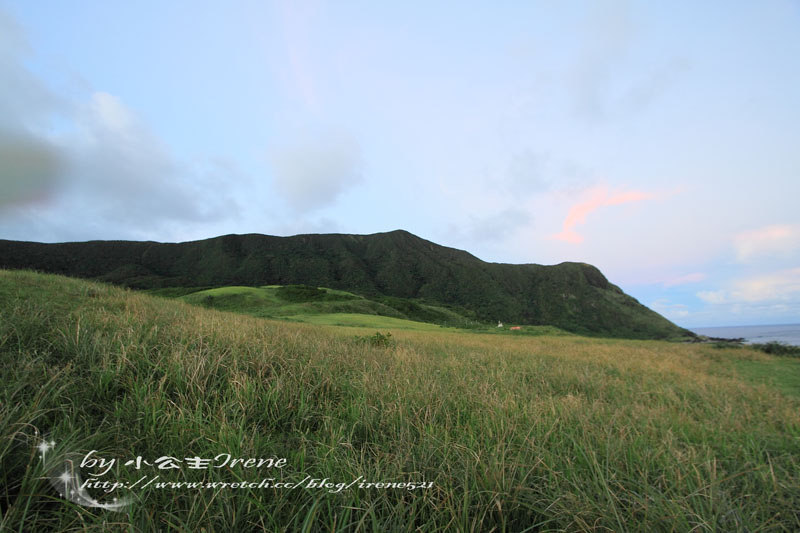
[66,479]
[44,447]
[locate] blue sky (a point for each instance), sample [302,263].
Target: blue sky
[655,140]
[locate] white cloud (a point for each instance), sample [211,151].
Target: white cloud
[29,169]
[29,162]
[120,171]
[528,173]
[602,82]
[494,227]
[713,297]
[778,286]
[775,287]
[694,277]
[112,115]
[109,177]
[25,102]
[315,169]
[104,174]
[670,310]
[608,35]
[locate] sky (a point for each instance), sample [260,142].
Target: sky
[657,141]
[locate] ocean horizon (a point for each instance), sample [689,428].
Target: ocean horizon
[785,333]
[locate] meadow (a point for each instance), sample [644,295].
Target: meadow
[321,305]
[495,432]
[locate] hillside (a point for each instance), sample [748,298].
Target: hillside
[572,296]
[545,433]
[302,302]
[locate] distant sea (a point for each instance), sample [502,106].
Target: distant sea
[785,333]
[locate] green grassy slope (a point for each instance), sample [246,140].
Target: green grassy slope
[303,303]
[273,301]
[364,321]
[331,307]
[546,433]
[395,265]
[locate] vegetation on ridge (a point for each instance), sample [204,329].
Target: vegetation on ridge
[392,268]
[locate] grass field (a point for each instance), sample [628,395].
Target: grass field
[513,432]
[301,303]
[365,321]
[336,308]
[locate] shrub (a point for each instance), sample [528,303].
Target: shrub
[300,293]
[778,348]
[379,339]
[725,344]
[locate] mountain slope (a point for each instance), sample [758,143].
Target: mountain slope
[573,296]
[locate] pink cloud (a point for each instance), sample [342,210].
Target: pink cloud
[597,197]
[778,239]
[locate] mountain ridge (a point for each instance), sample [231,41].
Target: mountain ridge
[573,296]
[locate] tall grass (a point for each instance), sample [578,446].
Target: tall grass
[547,433]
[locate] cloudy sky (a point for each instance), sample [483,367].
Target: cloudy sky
[659,141]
